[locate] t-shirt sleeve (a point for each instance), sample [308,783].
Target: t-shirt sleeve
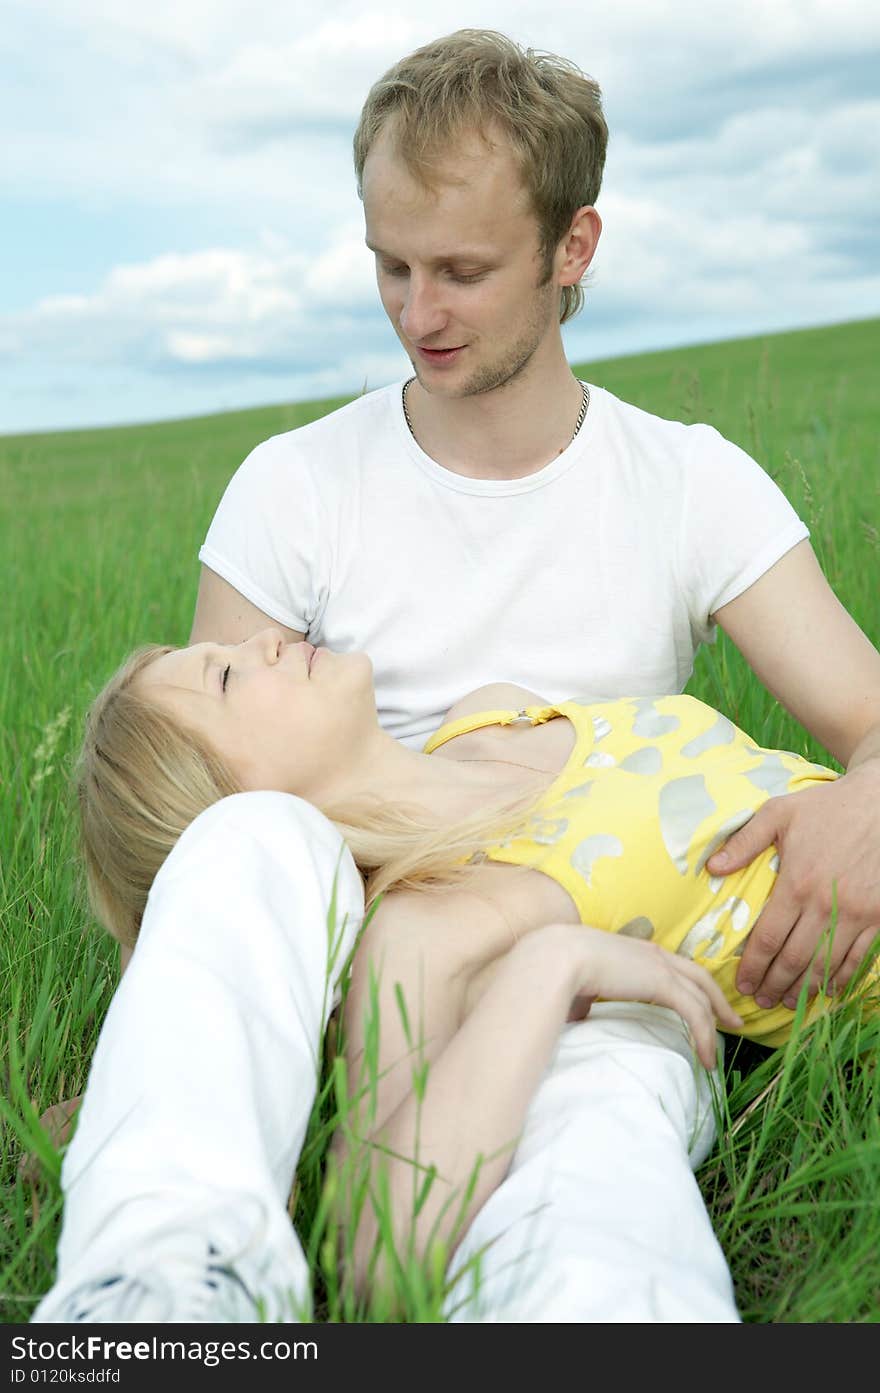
[265,539]
[735,524]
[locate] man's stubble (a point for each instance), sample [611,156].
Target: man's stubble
[514,360]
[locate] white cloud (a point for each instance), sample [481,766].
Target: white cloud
[267,88]
[220,306]
[343,275]
[741,190]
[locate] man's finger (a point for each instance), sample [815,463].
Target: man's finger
[829,964]
[867,941]
[835,957]
[773,926]
[804,953]
[760,832]
[805,957]
[848,947]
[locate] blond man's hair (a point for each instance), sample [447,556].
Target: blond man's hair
[143,776]
[548,111]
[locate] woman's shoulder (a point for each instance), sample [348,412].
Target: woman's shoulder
[404,915]
[457,927]
[495,696]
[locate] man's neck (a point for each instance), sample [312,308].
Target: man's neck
[508,433]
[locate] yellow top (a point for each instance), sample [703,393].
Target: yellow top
[651,789]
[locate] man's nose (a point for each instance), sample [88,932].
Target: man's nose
[422,313]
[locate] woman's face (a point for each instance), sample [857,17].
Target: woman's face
[284,716]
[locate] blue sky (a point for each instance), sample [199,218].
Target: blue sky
[182,234]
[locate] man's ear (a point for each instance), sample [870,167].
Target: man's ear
[578,246]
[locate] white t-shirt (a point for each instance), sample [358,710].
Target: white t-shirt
[594,578]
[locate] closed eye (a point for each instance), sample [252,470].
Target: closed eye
[225,678]
[460,277]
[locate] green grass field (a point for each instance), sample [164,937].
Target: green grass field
[99,533]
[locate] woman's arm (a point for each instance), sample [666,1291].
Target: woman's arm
[412,976]
[463,1116]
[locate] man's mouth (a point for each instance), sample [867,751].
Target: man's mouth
[440,355]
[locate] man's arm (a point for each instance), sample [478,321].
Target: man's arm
[223,615]
[812,656]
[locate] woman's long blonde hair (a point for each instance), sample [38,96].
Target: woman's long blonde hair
[143,777]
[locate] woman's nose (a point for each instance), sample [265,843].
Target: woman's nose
[268,644]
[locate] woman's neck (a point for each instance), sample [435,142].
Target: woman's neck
[446,788]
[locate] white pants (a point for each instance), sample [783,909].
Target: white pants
[600,1218]
[205,1073]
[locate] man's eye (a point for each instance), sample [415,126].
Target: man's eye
[225,677]
[394,270]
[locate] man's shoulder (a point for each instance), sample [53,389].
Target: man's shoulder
[367,413]
[626,415]
[327,458]
[649,437]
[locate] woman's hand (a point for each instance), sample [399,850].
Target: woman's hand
[615,968]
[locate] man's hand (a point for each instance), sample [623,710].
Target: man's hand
[828,839]
[57,1122]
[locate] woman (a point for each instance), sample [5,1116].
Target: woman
[618,806]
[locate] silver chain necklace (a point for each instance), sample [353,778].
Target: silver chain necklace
[577,425]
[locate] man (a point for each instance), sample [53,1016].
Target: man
[493,519]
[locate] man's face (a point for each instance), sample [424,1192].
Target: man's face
[459,266]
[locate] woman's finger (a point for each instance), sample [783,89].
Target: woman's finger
[720,1005]
[695,1009]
